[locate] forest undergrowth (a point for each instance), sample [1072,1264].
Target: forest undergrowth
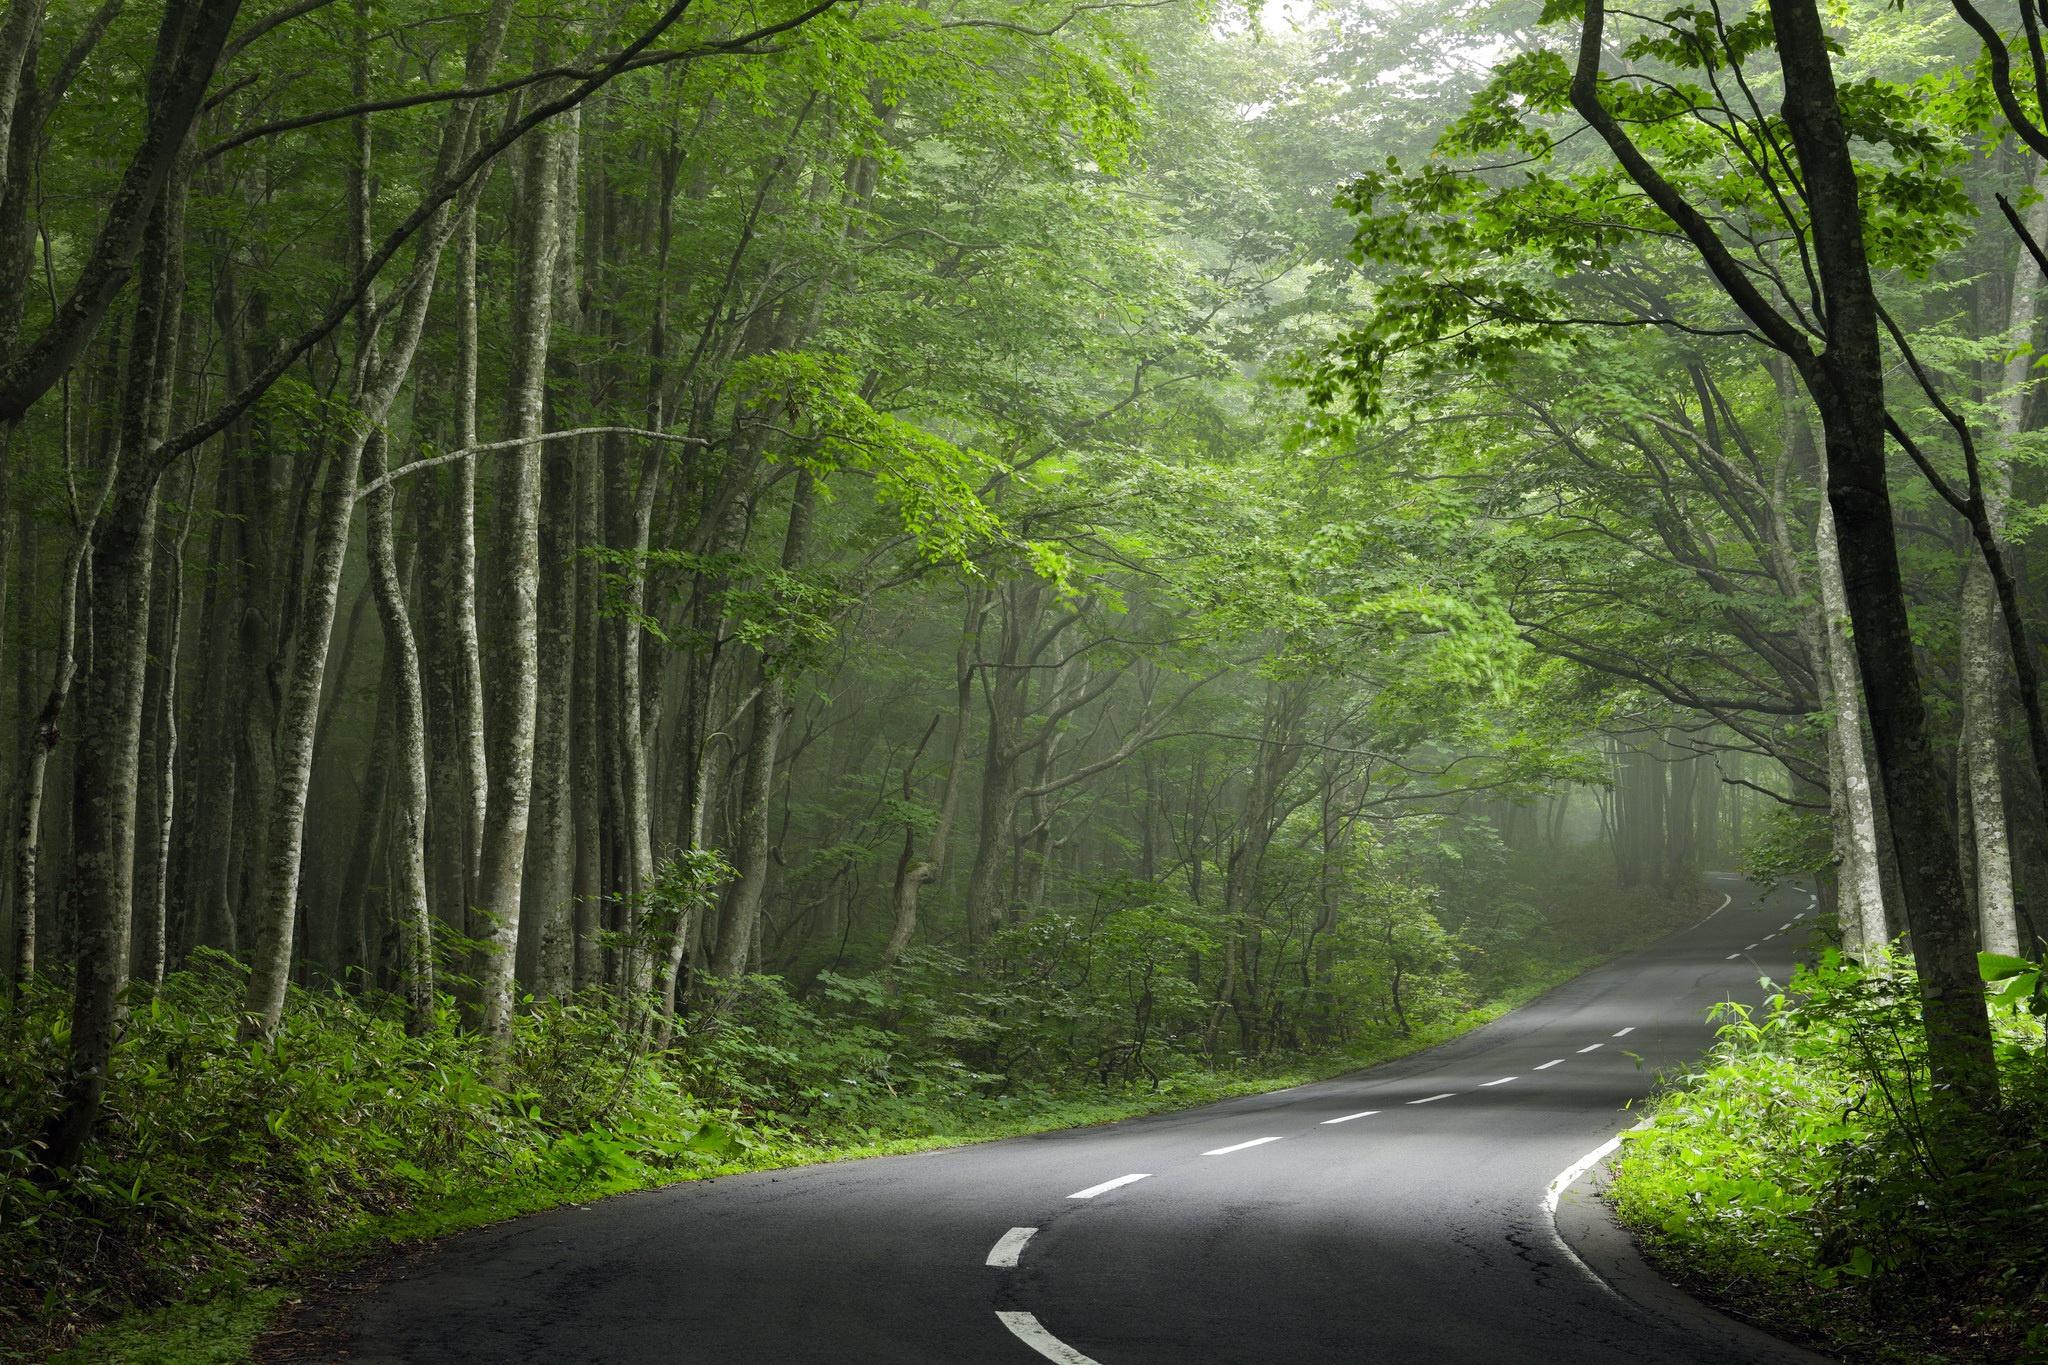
[1805,1177]
[230,1172]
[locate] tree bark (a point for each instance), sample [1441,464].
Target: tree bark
[1980,625]
[408,763]
[1862,877]
[160,755]
[510,715]
[1847,382]
[110,704]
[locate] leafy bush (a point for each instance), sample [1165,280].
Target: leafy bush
[217,1156]
[1810,1175]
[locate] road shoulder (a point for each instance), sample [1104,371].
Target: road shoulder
[1587,1226]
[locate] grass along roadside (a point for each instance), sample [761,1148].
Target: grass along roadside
[222,1314]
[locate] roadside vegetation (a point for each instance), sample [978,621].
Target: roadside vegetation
[1808,1177]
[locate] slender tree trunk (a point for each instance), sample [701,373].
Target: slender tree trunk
[1862,878]
[551,892]
[586,776]
[160,715]
[110,705]
[511,714]
[41,741]
[408,763]
[1981,627]
[468,644]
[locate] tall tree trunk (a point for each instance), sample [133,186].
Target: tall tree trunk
[160,755]
[408,762]
[1847,383]
[1862,877]
[1981,627]
[551,891]
[510,715]
[586,775]
[110,704]
[469,646]
[40,743]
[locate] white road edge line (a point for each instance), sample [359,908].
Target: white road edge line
[1502,1081]
[1565,1180]
[1433,1098]
[1009,1246]
[1726,900]
[1106,1186]
[1626,1032]
[1363,1113]
[1547,1065]
[1026,1329]
[1595,1047]
[1238,1147]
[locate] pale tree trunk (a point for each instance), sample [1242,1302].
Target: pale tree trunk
[408,762]
[1862,876]
[550,893]
[636,813]
[1981,626]
[586,785]
[379,378]
[550,936]
[160,714]
[510,717]
[739,914]
[468,645]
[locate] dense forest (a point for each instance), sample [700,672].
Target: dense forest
[588,592]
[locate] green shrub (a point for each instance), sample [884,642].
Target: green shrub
[1809,1174]
[217,1156]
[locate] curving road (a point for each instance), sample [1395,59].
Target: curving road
[1392,1215]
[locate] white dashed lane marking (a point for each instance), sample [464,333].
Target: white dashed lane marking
[1027,1330]
[1106,1186]
[1593,1047]
[1363,1113]
[1547,1065]
[1433,1098]
[1009,1246]
[1626,1032]
[1238,1147]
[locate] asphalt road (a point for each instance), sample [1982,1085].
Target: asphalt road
[1392,1215]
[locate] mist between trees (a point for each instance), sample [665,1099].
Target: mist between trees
[1098,541]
